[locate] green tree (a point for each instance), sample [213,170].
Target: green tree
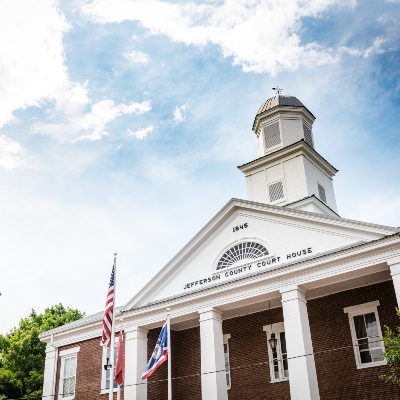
[22,354]
[391,339]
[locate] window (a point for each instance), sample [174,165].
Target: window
[366,334]
[278,364]
[66,389]
[241,251]
[321,192]
[105,381]
[272,135]
[226,356]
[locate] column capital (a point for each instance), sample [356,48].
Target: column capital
[50,349]
[293,292]
[210,313]
[393,263]
[135,332]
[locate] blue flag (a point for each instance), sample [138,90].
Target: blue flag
[160,353]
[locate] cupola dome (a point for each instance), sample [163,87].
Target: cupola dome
[281,121]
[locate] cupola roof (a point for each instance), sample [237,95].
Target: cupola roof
[278,101]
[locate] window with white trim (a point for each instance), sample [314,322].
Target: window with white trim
[226,356]
[366,334]
[278,363]
[66,388]
[105,377]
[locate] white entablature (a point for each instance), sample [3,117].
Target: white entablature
[289,172]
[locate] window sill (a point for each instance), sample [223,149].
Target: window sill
[372,364]
[107,391]
[279,380]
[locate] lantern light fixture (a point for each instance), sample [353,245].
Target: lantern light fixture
[273,342]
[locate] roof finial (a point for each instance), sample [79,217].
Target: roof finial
[278,90]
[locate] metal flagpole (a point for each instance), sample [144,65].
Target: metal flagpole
[169,357]
[111,392]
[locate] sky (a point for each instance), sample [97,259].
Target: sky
[122,123]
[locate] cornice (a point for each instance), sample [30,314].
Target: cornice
[382,249]
[300,146]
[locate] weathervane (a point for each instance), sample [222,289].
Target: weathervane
[278,90]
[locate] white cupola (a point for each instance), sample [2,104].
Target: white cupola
[281,121]
[289,172]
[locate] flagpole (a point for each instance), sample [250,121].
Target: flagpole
[169,356]
[111,392]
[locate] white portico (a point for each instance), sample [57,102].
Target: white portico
[256,257]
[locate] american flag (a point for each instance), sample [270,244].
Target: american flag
[108,312]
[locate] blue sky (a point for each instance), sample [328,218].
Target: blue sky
[122,123]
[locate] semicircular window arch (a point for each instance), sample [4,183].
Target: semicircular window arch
[241,251]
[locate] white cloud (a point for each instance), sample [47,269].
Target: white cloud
[375,48]
[33,73]
[260,35]
[141,133]
[90,125]
[32,56]
[11,153]
[180,113]
[137,57]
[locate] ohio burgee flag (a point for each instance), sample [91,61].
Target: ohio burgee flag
[160,353]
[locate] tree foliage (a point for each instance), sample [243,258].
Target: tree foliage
[391,339]
[22,354]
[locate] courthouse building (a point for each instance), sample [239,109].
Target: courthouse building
[277,296]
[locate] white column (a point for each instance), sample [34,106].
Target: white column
[302,373]
[213,377]
[135,363]
[50,370]
[394,265]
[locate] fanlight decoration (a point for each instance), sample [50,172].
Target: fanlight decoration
[241,251]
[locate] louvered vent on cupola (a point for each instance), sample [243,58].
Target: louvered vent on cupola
[308,134]
[276,191]
[321,191]
[272,135]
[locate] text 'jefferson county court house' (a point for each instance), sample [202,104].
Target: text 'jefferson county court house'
[282,265]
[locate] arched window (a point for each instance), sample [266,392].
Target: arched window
[241,251]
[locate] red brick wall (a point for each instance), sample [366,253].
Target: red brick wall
[247,347]
[88,372]
[338,376]
[186,381]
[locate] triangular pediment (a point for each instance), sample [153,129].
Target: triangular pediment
[245,237]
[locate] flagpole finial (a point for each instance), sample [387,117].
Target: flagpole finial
[115,254]
[168,309]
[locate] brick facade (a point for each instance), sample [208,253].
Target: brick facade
[186,380]
[88,371]
[338,376]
